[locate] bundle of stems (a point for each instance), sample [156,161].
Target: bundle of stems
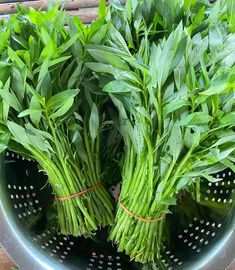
[48,112]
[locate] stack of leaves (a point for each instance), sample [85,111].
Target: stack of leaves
[44,115]
[175,98]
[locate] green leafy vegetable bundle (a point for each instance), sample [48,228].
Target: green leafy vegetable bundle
[44,115]
[174,92]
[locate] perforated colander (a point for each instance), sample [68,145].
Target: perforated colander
[201,236]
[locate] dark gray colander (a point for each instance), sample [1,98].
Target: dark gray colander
[201,236]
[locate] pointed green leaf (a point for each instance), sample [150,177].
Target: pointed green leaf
[94,122]
[228,119]
[29,112]
[57,101]
[231,14]
[64,109]
[195,118]
[9,97]
[175,142]
[120,87]
[64,47]
[4,139]
[102,8]
[14,57]
[174,105]
[18,133]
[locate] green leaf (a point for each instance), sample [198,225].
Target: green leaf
[143,112]
[18,133]
[30,89]
[228,164]
[138,139]
[228,119]
[224,140]
[94,122]
[57,101]
[4,111]
[181,183]
[169,201]
[102,8]
[42,133]
[120,87]
[175,142]
[51,63]
[10,98]
[210,178]
[118,39]
[191,139]
[217,89]
[46,38]
[4,139]
[180,74]
[29,112]
[5,70]
[14,57]
[49,51]
[64,109]
[37,140]
[126,128]
[214,169]
[33,49]
[118,74]
[216,38]
[19,82]
[128,9]
[231,14]
[44,69]
[199,50]
[195,118]
[106,57]
[67,73]
[215,13]
[226,153]
[179,52]
[99,35]
[75,75]
[64,47]
[167,56]
[174,105]
[20,40]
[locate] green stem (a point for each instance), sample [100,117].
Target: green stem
[97,155]
[198,192]
[159,112]
[69,178]
[177,173]
[150,167]
[90,159]
[168,173]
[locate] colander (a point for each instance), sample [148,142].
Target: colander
[201,236]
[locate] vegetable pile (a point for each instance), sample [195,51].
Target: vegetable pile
[165,82]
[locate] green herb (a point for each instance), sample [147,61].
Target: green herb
[175,97]
[49,113]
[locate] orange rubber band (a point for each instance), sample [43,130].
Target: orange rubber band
[79,193]
[136,216]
